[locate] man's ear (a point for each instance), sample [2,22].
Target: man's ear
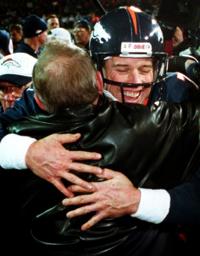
[99,80]
[39,102]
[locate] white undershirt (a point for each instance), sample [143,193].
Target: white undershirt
[13,150]
[154,204]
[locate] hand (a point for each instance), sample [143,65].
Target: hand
[9,95]
[48,159]
[1,95]
[4,103]
[114,197]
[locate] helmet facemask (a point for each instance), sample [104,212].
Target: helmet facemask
[159,68]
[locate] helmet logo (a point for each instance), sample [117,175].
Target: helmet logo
[100,34]
[157,31]
[130,47]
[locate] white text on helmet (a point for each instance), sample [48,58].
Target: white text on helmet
[130,47]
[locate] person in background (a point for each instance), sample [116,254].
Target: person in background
[178,36]
[177,42]
[35,35]
[60,34]
[93,18]
[81,32]
[52,21]
[193,48]
[6,44]
[15,75]
[16,32]
[180,40]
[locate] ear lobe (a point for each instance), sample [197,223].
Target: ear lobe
[39,102]
[99,82]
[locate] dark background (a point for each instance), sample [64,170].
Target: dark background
[185,13]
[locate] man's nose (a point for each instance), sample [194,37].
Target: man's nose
[135,77]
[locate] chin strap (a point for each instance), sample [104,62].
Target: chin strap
[121,85]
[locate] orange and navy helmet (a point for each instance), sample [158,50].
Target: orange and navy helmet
[128,32]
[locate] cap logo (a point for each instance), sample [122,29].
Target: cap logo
[130,47]
[9,63]
[38,31]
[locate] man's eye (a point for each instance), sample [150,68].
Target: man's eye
[122,70]
[146,70]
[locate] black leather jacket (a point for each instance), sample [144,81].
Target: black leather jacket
[156,147]
[147,136]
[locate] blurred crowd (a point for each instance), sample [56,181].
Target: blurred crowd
[67,10]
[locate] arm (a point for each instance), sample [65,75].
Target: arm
[185,202]
[47,158]
[117,197]
[114,197]
[107,201]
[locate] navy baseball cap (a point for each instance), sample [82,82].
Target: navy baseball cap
[33,26]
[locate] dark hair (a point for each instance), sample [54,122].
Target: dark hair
[16,26]
[4,41]
[83,23]
[33,26]
[52,15]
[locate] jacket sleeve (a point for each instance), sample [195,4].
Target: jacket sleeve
[24,106]
[185,202]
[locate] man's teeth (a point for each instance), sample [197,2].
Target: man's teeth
[132,94]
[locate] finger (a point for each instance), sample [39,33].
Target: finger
[5,105]
[78,200]
[108,173]
[83,210]
[74,179]
[85,168]
[60,186]
[76,188]
[92,221]
[105,174]
[84,155]
[67,138]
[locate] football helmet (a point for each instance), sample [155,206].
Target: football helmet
[128,32]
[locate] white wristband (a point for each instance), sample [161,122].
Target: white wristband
[13,150]
[154,205]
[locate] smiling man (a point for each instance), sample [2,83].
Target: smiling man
[138,71]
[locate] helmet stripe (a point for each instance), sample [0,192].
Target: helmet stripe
[134,19]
